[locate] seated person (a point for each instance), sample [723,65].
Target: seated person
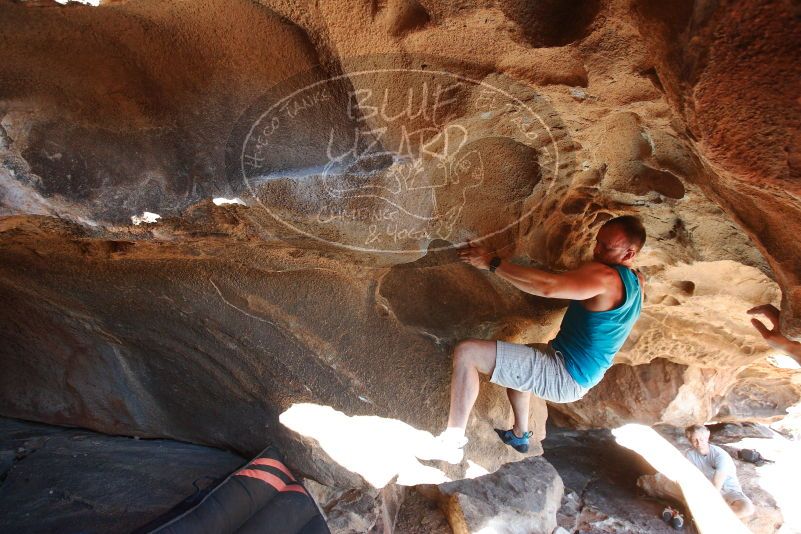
[718,467]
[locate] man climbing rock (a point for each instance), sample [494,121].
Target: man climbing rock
[718,467]
[773,335]
[606,298]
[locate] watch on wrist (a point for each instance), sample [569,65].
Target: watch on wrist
[494,263]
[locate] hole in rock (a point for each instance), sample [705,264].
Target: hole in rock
[547,23]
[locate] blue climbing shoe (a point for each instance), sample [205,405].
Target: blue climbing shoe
[518,444]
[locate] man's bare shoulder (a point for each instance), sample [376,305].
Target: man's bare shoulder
[606,272]
[598,273]
[597,269]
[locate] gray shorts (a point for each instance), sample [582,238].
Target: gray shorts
[536,368]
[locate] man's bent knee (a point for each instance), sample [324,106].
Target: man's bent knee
[742,508]
[478,353]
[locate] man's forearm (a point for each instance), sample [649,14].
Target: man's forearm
[528,279]
[718,479]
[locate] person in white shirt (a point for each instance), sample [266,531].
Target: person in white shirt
[718,467]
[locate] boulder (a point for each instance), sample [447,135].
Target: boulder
[521,497]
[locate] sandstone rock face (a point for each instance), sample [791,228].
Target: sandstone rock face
[314,164]
[709,55]
[225,379]
[762,394]
[142,131]
[520,497]
[658,392]
[663,392]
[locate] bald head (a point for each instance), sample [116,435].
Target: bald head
[619,240]
[631,227]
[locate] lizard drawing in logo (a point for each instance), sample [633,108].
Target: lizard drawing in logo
[425,181]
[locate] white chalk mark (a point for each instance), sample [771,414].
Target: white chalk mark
[437,340]
[293,339]
[222,201]
[237,308]
[146,217]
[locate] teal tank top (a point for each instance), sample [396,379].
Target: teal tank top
[589,340]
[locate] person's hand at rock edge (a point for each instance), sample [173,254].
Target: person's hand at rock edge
[475,255]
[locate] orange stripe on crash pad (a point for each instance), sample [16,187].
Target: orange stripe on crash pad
[295,488]
[271,479]
[273,463]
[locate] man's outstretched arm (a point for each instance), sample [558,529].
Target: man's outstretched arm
[773,335]
[580,284]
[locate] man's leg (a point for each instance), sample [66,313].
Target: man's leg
[519,401]
[660,487]
[742,508]
[470,357]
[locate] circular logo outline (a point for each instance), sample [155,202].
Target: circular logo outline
[349,75]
